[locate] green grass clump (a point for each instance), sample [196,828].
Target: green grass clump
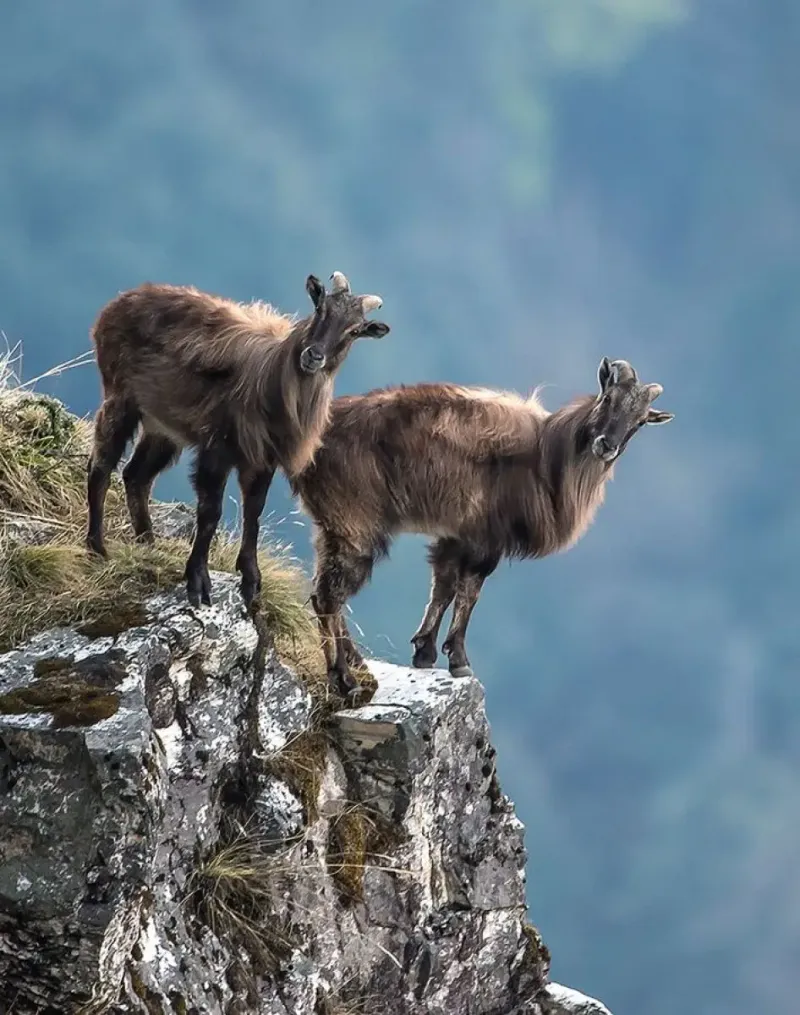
[357,836]
[234,891]
[43,458]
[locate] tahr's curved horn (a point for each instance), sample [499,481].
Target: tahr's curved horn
[340,283]
[622,371]
[371,303]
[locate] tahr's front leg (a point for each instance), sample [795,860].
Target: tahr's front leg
[254,484]
[209,476]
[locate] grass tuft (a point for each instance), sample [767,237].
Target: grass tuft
[43,457]
[356,837]
[234,892]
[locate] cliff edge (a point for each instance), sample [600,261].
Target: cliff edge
[188,824]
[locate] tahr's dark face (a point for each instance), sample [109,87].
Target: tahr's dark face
[623,407]
[339,319]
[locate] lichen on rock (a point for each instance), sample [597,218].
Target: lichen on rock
[154,859]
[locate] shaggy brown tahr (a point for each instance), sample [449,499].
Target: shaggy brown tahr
[246,385]
[488,474]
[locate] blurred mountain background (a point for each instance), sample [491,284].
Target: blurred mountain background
[531,185]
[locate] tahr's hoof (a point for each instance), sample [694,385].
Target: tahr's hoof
[198,589]
[250,592]
[145,538]
[341,685]
[354,658]
[461,671]
[96,546]
[424,657]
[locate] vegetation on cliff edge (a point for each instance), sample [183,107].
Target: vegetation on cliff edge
[51,579]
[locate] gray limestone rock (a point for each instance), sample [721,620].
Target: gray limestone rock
[566,1001]
[24,529]
[157,854]
[172,519]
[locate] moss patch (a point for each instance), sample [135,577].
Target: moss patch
[536,943]
[537,954]
[301,765]
[148,997]
[115,621]
[178,1002]
[73,694]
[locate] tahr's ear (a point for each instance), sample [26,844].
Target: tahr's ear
[604,373]
[374,329]
[655,417]
[316,290]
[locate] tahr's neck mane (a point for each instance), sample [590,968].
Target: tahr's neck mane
[575,476]
[295,405]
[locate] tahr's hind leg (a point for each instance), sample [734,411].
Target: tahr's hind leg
[115,424]
[354,658]
[209,475]
[152,454]
[341,572]
[445,556]
[473,574]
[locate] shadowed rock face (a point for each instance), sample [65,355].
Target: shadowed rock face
[157,859]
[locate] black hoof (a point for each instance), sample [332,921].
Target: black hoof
[198,588]
[251,591]
[458,663]
[251,580]
[94,544]
[145,538]
[355,660]
[341,684]
[425,654]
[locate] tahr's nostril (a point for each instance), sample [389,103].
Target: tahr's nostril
[312,361]
[602,447]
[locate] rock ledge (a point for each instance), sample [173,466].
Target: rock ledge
[155,858]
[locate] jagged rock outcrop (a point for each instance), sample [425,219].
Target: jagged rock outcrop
[566,1001]
[180,831]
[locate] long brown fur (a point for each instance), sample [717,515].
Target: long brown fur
[193,363]
[487,474]
[499,473]
[247,386]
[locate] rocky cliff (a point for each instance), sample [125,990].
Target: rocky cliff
[189,825]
